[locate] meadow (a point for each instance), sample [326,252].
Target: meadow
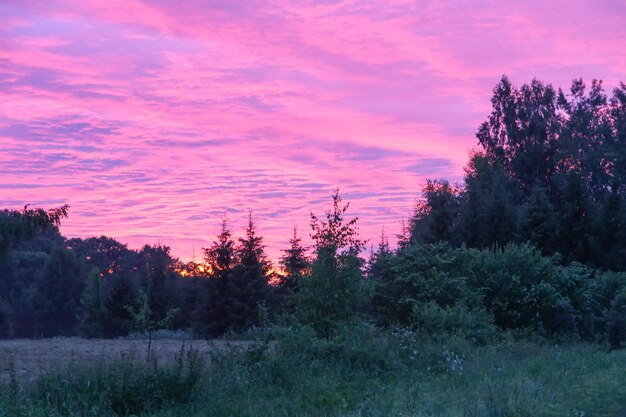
[288,371]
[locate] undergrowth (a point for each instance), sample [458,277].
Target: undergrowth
[360,371]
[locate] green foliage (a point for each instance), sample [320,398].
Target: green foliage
[25,224]
[538,223]
[333,294]
[158,280]
[474,324]
[421,274]
[125,388]
[144,319]
[295,264]
[521,287]
[549,171]
[56,294]
[118,319]
[435,216]
[92,309]
[616,321]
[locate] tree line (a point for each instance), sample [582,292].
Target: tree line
[532,242]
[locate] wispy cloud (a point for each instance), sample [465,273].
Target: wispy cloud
[153,119]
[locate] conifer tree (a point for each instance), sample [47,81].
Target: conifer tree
[379,258]
[212,308]
[248,286]
[294,263]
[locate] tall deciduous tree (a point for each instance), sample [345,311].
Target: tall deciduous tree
[57,291]
[16,225]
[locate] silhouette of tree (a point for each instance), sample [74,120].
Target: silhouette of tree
[294,263]
[57,291]
[435,215]
[248,284]
[211,314]
[24,224]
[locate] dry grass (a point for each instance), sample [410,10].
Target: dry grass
[27,359]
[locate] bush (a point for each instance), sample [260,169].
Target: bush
[423,274]
[475,324]
[522,288]
[616,321]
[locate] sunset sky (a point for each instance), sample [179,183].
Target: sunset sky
[152,119]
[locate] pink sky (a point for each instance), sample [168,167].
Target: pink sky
[154,118]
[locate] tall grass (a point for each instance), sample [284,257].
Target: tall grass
[129,387]
[361,371]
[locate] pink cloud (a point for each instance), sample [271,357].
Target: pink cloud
[153,119]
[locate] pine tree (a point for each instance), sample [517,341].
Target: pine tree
[380,259]
[248,284]
[212,308]
[294,263]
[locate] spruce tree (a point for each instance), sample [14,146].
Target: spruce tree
[212,308]
[248,287]
[294,263]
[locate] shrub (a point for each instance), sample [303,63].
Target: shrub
[423,274]
[616,321]
[475,324]
[522,288]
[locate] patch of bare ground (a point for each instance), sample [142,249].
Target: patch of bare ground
[26,359]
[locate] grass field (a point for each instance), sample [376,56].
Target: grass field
[26,359]
[363,374]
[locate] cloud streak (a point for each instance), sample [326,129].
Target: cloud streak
[154,119]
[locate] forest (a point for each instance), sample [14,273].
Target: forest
[530,247]
[533,240]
